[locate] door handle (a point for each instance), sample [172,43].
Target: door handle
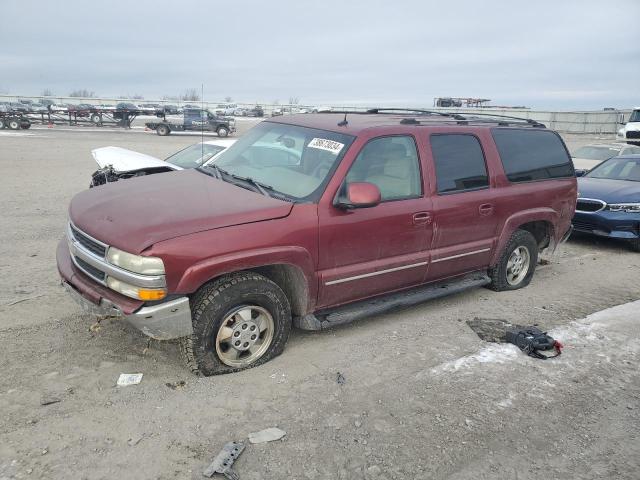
[485,209]
[422,218]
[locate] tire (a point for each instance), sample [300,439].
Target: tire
[224,303]
[163,130]
[503,276]
[2,125]
[25,126]
[223,132]
[95,118]
[14,124]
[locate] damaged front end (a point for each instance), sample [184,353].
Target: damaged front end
[108,174]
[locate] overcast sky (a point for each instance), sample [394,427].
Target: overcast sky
[542,54]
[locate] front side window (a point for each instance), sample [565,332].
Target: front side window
[459,162]
[532,154]
[290,160]
[194,156]
[391,163]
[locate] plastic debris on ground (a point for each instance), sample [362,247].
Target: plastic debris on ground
[267,435]
[127,379]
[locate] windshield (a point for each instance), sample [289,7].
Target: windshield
[192,157]
[618,169]
[635,116]
[292,160]
[596,153]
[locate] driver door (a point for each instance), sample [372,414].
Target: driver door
[368,251]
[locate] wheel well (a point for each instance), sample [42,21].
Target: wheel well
[541,230]
[292,282]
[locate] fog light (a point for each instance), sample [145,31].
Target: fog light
[146,294]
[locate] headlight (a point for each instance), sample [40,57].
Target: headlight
[135,263]
[625,207]
[147,294]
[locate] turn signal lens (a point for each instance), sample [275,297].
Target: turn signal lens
[150,295]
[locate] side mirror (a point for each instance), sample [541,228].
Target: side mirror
[581,172]
[359,195]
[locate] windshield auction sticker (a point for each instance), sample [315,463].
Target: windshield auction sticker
[328,145]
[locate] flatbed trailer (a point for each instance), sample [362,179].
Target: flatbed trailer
[94,117]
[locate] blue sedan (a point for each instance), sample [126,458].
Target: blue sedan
[609,200]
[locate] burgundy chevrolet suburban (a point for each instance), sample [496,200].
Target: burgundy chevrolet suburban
[317,220]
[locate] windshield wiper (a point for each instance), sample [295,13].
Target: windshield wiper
[261,187]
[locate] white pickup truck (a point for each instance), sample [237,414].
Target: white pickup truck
[630,132]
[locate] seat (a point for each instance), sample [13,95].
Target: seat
[399,178]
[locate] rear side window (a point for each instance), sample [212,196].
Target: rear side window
[459,163]
[529,155]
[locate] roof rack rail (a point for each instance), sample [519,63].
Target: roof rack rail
[458,118]
[526,120]
[417,110]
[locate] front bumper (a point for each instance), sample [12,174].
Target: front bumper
[620,225]
[163,321]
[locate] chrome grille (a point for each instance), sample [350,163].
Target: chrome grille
[89,243]
[590,205]
[633,134]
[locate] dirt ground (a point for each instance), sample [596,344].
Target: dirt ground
[423,397]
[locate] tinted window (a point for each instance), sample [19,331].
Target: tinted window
[392,164]
[459,163]
[529,155]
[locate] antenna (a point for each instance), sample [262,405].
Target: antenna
[202,125]
[344,122]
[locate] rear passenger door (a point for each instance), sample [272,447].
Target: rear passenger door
[464,210]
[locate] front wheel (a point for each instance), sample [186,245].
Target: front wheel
[517,263]
[163,130]
[223,131]
[14,124]
[239,321]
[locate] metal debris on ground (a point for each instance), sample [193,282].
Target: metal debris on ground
[267,435]
[133,441]
[126,379]
[340,379]
[224,460]
[49,400]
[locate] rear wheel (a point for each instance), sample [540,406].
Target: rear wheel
[162,130]
[26,126]
[517,264]
[239,321]
[95,118]
[14,124]
[223,131]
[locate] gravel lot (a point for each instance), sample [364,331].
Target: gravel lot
[423,397]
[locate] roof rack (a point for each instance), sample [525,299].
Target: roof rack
[422,112]
[455,117]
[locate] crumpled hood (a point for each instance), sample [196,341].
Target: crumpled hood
[610,191]
[123,160]
[135,214]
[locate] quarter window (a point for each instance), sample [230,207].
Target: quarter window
[529,155]
[459,163]
[392,164]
